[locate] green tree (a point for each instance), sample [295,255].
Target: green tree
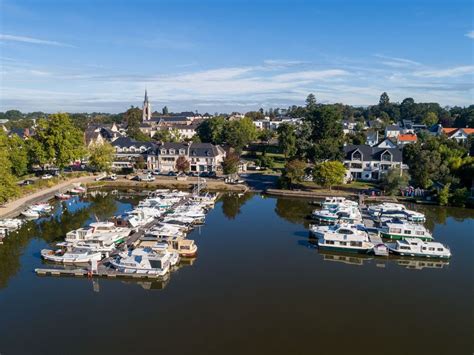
[36,153]
[459,197]
[18,155]
[8,187]
[394,180]
[430,119]
[163,135]
[255,115]
[443,196]
[264,161]
[101,156]
[384,101]
[212,130]
[327,136]
[311,102]
[165,110]
[293,172]
[182,164]
[230,165]
[266,135]
[63,143]
[329,173]
[133,119]
[240,133]
[287,139]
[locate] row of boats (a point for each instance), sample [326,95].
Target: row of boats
[149,239]
[342,228]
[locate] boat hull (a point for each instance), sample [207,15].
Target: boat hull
[345,250]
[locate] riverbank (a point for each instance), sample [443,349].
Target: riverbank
[172,183]
[13,208]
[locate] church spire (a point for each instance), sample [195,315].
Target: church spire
[146,116]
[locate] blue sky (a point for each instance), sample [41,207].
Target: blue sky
[222,56]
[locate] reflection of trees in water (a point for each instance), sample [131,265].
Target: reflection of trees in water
[56,228]
[12,249]
[50,230]
[232,202]
[293,210]
[102,206]
[439,215]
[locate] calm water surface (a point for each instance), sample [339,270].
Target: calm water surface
[258,286]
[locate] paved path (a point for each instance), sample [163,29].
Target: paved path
[14,207]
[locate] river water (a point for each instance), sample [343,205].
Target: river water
[257,286]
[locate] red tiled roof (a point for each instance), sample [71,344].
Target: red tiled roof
[407,137]
[451,131]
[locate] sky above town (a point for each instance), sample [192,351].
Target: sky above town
[223,56]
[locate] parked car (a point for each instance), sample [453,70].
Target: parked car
[27,182]
[372,192]
[47,176]
[204,174]
[192,173]
[156,172]
[212,174]
[148,177]
[171,173]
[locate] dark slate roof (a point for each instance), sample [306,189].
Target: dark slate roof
[393,127]
[372,135]
[129,142]
[203,150]
[372,153]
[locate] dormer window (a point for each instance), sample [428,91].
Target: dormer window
[171,151]
[386,156]
[163,151]
[194,153]
[181,152]
[124,149]
[132,149]
[207,153]
[357,156]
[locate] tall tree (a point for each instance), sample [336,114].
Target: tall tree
[182,164]
[101,156]
[36,153]
[62,141]
[230,165]
[311,102]
[287,139]
[327,135]
[384,101]
[165,110]
[240,133]
[18,155]
[329,173]
[394,180]
[212,130]
[293,172]
[8,187]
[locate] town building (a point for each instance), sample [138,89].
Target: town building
[201,156]
[406,138]
[98,134]
[364,162]
[461,135]
[372,138]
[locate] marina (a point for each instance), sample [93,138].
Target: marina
[254,264]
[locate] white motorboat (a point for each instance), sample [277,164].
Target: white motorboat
[348,214]
[29,213]
[416,247]
[99,231]
[11,224]
[74,256]
[344,237]
[139,217]
[162,248]
[404,230]
[142,261]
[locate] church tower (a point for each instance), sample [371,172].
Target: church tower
[146,116]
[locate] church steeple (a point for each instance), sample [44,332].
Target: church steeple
[146,116]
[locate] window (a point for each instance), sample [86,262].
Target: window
[342,243]
[171,151]
[163,151]
[395,230]
[407,231]
[386,156]
[440,249]
[420,232]
[356,244]
[181,151]
[404,248]
[331,242]
[432,249]
[345,231]
[356,156]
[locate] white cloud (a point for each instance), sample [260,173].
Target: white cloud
[311,75]
[448,72]
[470,34]
[397,62]
[23,39]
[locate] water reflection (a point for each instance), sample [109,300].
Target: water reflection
[294,210]
[233,202]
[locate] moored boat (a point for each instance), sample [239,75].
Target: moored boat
[405,230]
[73,256]
[416,247]
[344,237]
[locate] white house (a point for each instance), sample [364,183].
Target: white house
[364,162]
